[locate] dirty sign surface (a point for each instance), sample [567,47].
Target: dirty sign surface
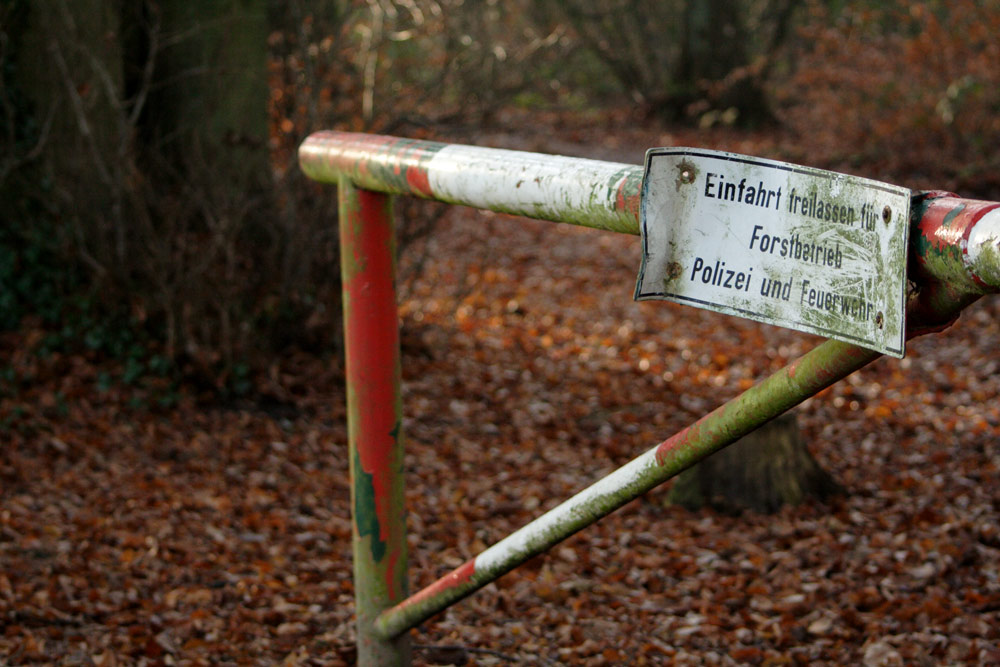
[793,246]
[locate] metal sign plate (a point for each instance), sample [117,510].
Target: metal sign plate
[793,246]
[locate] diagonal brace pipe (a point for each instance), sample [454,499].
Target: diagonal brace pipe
[810,374]
[930,309]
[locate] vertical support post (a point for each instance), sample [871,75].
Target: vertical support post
[374,409]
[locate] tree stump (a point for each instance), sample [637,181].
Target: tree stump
[762,471]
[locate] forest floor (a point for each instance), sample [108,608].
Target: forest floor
[210,533]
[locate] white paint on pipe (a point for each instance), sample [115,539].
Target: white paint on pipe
[581,510]
[982,254]
[551,187]
[544,186]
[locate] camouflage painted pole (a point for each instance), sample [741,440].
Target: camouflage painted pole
[374,408]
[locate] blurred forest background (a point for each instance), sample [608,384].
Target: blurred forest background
[153,212]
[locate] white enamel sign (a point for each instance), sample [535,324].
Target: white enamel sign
[798,247]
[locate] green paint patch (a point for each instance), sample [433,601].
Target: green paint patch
[365,516]
[951,215]
[943,261]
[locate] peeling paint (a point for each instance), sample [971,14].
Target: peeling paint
[628,197]
[983,248]
[667,451]
[591,193]
[371,340]
[366,519]
[583,509]
[957,242]
[456,584]
[541,186]
[759,404]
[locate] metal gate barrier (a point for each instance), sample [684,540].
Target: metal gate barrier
[954,258]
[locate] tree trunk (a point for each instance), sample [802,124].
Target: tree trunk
[714,45]
[68,66]
[88,64]
[209,99]
[762,471]
[154,167]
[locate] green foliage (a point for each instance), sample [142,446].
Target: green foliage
[37,283]
[33,277]
[82,325]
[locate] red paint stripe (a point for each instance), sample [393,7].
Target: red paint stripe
[942,237]
[932,224]
[418,178]
[460,576]
[625,202]
[415,158]
[373,340]
[668,450]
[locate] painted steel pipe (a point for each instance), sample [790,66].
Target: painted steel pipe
[954,241]
[954,259]
[374,409]
[957,241]
[591,193]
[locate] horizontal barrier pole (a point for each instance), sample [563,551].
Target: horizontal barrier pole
[590,193]
[953,241]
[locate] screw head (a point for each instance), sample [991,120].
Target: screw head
[886,215]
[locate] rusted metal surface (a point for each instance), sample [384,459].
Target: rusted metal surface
[374,408]
[954,258]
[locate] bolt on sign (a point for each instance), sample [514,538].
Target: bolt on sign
[802,248]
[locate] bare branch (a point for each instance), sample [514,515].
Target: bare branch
[372,44]
[79,112]
[147,73]
[12,162]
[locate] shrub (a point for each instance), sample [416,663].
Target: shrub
[909,89]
